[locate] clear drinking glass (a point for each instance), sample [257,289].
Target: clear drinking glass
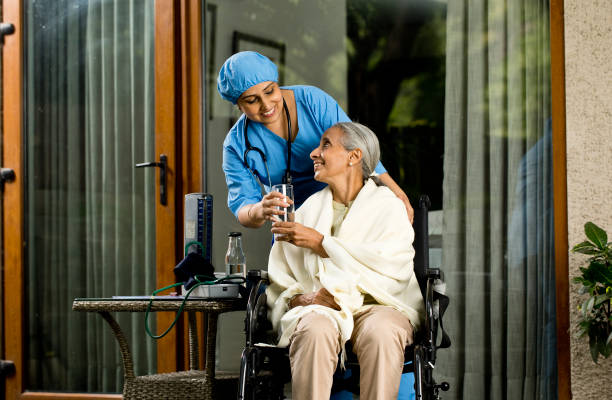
[288,215]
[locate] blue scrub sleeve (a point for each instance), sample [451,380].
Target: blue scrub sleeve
[380,169]
[325,109]
[242,187]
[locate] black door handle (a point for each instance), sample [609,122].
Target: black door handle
[6,175]
[7,368]
[6,28]
[163,165]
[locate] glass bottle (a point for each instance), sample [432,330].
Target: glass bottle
[235,261]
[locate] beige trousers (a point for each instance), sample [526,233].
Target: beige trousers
[379,338]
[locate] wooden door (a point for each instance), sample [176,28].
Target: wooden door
[176,135]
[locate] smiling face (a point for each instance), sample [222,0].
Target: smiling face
[262,103]
[330,159]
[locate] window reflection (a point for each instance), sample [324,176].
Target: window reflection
[459,96]
[396,53]
[383,61]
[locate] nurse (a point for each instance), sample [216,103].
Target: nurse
[278,124]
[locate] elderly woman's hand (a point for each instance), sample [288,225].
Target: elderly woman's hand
[321,297]
[299,235]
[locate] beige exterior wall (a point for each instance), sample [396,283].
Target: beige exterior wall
[588,63]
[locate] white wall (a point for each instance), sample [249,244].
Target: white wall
[314,35]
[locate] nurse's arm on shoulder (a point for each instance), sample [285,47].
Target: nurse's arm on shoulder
[390,183]
[255,215]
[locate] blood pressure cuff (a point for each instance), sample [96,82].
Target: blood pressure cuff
[193,264]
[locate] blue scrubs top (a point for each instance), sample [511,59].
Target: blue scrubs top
[316,112]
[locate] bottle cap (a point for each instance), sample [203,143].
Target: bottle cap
[234,234]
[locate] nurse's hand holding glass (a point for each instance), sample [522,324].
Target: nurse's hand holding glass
[270,208]
[271,142]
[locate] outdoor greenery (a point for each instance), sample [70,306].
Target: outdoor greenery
[596,280]
[396,86]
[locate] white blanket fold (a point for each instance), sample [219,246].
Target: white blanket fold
[371,254]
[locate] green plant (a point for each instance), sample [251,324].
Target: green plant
[596,281]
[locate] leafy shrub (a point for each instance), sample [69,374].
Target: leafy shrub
[596,280]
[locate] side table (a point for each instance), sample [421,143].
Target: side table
[192,384]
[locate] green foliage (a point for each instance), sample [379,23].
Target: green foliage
[596,281]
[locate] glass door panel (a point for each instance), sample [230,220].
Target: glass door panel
[383,61]
[370,56]
[459,97]
[89,214]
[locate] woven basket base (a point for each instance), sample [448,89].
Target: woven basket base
[181,385]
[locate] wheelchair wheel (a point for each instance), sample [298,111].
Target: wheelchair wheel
[425,386]
[257,381]
[245,388]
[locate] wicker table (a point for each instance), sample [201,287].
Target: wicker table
[195,383]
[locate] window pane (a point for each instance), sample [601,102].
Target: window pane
[396,56]
[459,97]
[90,216]
[498,222]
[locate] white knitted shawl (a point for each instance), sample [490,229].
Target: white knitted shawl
[371,253]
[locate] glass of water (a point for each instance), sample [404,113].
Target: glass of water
[288,212]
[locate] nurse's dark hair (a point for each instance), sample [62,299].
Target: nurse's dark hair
[358,136]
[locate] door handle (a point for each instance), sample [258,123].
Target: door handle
[163,170]
[6,175]
[7,368]
[6,28]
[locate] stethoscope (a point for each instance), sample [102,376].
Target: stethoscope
[287,178]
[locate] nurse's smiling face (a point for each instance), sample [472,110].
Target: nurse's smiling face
[262,103]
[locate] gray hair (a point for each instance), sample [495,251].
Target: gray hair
[358,136]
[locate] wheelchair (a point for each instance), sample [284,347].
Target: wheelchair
[264,368]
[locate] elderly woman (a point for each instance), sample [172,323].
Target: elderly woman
[344,270]
[273,138]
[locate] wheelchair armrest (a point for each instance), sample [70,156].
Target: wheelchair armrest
[256,309]
[436,303]
[434,273]
[257,274]
[254,277]
[431,320]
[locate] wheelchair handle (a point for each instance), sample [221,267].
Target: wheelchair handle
[257,274]
[434,273]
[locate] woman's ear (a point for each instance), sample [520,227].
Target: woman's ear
[355,156]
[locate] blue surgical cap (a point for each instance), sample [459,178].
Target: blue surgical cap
[243,70]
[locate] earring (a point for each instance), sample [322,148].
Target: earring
[351,164]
